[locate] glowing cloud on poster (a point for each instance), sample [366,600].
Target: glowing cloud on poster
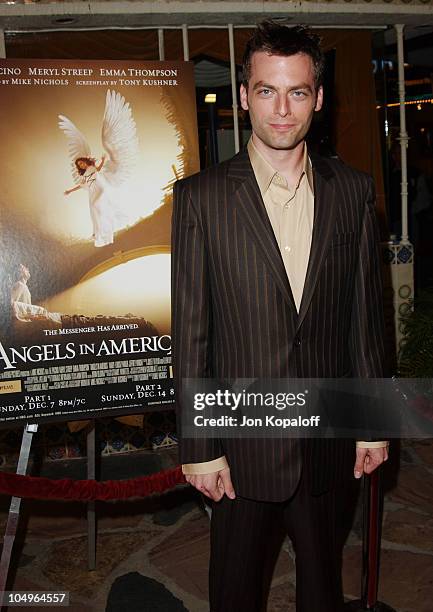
[114,292]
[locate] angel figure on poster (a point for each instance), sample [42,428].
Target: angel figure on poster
[102,180]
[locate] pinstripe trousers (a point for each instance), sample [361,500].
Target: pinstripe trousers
[246,536]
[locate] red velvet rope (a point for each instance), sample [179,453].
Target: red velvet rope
[89,490]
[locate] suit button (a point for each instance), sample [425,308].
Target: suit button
[297,342]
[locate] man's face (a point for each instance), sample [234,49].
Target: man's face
[281,98]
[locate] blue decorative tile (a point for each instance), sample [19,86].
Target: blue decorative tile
[137,440]
[404,254]
[58,443]
[388,256]
[117,444]
[56,452]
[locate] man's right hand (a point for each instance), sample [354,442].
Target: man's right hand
[213,485]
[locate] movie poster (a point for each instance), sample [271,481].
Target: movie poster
[89,152]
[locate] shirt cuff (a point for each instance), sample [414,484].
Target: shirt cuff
[362,444]
[207,467]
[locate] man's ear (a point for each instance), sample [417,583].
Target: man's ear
[319,99]
[244,97]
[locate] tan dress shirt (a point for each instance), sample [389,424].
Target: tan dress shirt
[291,213]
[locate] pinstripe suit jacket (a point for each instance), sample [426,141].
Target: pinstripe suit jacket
[233,313]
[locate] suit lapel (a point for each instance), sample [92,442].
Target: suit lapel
[323,227]
[248,202]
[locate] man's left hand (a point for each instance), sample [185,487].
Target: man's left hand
[368,459]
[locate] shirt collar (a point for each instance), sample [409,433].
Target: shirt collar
[264,172]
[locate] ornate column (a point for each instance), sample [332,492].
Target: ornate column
[400,255]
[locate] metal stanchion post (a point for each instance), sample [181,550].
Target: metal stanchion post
[91,507]
[371,534]
[14,511]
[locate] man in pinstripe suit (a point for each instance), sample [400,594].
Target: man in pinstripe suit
[276,274]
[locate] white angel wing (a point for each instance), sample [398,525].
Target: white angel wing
[77,144]
[119,138]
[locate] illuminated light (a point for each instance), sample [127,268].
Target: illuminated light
[417,102]
[386,127]
[422,130]
[210,98]
[418,107]
[424,81]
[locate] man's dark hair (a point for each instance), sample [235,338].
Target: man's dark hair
[277,39]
